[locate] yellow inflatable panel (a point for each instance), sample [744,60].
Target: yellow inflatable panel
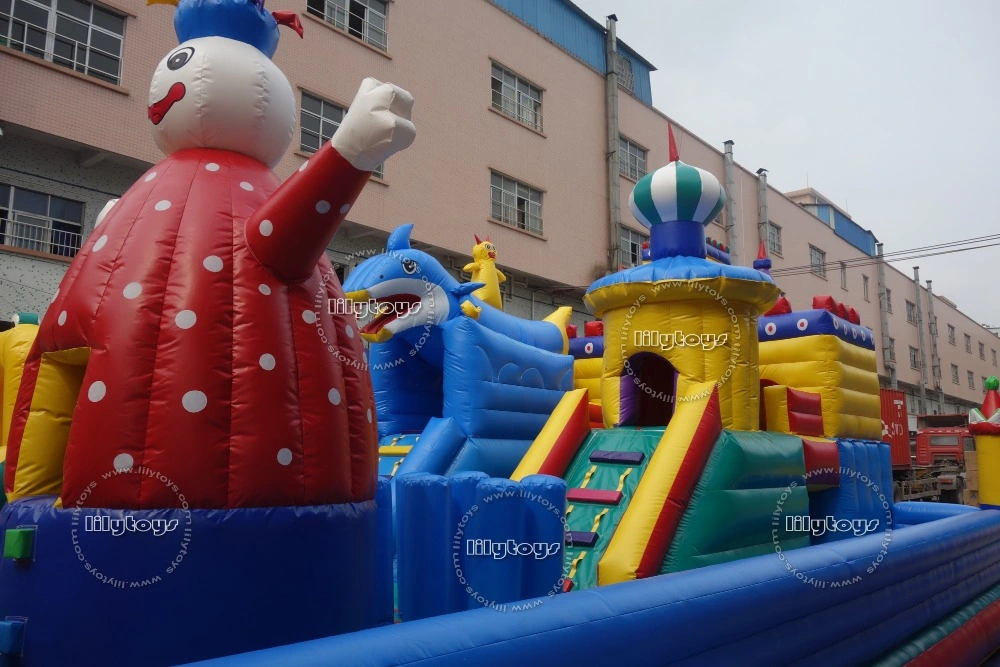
[844,375]
[587,375]
[43,444]
[776,409]
[14,346]
[566,428]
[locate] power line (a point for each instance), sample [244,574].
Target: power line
[864,260]
[875,260]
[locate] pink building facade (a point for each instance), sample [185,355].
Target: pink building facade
[512,141]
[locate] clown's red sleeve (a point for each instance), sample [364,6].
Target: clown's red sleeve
[290,231]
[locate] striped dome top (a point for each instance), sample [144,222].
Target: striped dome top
[674,192]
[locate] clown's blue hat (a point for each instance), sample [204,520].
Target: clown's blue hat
[242,20]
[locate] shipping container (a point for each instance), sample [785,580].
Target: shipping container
[895,429]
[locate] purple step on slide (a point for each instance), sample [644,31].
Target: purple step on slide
[606,456]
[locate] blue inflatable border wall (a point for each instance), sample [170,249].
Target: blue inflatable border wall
[813,323]
[770,616]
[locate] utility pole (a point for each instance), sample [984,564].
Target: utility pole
[730,167]
[920,341]
[611,110]
[883,311]
[762,218]
[935,359]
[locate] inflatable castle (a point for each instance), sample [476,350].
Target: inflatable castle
[204,465]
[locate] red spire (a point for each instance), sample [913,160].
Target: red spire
[992,401]
[674,157]
[762,251]
[476,236]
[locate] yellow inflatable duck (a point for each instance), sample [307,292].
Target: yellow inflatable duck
[484,270]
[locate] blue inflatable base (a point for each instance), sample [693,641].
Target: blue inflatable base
[162,587]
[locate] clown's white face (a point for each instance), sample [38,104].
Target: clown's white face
[213,92]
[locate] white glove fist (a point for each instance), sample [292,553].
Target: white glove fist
[376,126]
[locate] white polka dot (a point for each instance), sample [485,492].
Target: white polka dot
[162,205]
[150,176]
[185,319]
[194,401]
[369,415]
[349,330]
[588,348]
[123,462]
[308,316]
[322,206]
[267,362]
[264,289]
[99,243]
[62,318]
[97,391]
[213,263]
[345,208]
[770,328]
[132,290]
[55,296]
[284,456]
[211,166]
[246,186]
[802,324]
[266,228]
[304,165]
[334,396]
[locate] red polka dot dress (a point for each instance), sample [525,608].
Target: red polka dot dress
[213,357]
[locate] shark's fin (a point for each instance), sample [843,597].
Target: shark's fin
[560,318]
[465,289]
[400,238]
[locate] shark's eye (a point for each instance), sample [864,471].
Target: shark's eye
[409,267]
[180,58]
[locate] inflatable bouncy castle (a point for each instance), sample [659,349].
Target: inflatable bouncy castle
[204,464]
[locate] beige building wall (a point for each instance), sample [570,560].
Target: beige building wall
[441,50]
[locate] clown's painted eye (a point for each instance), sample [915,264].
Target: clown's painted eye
[409,267]
[180,58]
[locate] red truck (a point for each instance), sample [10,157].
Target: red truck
[929,465]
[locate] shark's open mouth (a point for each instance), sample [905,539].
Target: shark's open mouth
[390,308]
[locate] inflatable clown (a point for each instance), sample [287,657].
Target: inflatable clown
[984,425]
[184,378]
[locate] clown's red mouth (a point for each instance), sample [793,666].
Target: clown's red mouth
[390,308]
[159,109]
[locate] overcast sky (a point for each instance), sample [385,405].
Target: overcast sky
[891,106]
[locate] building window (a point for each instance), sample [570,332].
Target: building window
[864,284]
[843,275]
[951,334]
[364,19]
[892,349]
[914,357]
[75,34]
[631,247]
[631,159]
[623,68]
[994,356]
[773,238]
[888,300]
[954,374]
[968,343]
[516,97]
[37,221]
[319,119]
[817,260]
[515,204]
[911,312]
[972,380]
[982,352]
